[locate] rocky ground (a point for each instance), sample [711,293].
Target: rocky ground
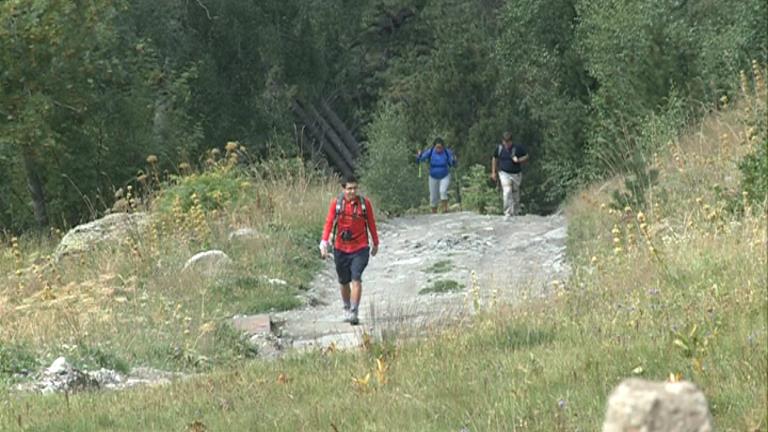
[507,258]
[430,271]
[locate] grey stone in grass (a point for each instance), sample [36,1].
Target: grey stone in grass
[111,228]
[208,263]
[252,324]
[62,377]
[640,405]
[267,346]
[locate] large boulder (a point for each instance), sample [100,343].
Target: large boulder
[640,405]
[111,228]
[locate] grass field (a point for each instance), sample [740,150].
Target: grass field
[676,289]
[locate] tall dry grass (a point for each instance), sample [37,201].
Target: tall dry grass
[129,302]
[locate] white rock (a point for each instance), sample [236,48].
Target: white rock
[639,405]
[208,262]
[58,366]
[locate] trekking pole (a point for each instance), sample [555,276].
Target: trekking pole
[458,188]
[457,181]
[418,163]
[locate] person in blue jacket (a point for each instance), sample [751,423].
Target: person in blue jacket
[440,160]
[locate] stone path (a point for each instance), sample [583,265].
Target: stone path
[510,258]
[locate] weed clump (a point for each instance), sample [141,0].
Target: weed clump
[441,286]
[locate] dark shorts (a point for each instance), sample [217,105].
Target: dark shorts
[350,266]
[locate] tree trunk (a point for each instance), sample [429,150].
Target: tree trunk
[328,131]
[35,187]
[340,128]
[336,159]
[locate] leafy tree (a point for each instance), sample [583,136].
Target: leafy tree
[643,52]
[543,76]
[88,90]
[390,172]
[89,100]
[443,73]
[62,68]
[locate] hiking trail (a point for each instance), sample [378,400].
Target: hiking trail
[510,258]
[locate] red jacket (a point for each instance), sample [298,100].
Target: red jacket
[351,218]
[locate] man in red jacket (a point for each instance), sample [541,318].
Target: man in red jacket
[351,218]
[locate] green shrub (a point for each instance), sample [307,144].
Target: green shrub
[665,53]
[230,343]
[15,358]
[389,171]
[91,357]
[440,267]
[441,286]
[754,168]
[254,295]
[478,194]
[634,157]
[636,184]
[215,189]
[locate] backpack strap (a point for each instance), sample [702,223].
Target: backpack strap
[511,150]
[339,204]
[448,156]
[340,208]
[363,208]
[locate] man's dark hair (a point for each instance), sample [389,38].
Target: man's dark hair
[507,136]
[437,141]
[348,179]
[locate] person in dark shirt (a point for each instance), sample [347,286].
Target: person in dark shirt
[507,168]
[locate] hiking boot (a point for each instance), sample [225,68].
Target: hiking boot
[347,315]
[353,318]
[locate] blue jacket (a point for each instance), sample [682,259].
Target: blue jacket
[439,163]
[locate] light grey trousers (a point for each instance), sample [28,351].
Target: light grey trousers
[438,189]
[510,192]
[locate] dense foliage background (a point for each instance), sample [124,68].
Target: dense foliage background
[89,89]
